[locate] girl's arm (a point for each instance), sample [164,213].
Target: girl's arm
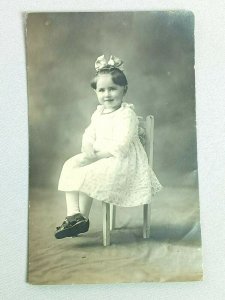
[125,131]
[89,138]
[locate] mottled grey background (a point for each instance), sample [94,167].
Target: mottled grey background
[158,50]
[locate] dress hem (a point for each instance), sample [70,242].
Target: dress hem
[111,202]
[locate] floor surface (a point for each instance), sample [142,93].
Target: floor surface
[172,253]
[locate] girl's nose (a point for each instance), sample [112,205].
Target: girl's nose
[107,92]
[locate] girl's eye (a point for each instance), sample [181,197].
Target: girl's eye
[112,89]
[101,90]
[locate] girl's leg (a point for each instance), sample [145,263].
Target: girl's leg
[72,202]
[74,223]
[85,203]
[78,203]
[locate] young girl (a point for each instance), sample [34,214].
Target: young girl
[113,166]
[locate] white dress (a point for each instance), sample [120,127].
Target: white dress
[125,178]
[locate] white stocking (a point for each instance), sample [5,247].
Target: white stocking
[85,203]
[72,202]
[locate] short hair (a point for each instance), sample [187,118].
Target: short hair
[118,77]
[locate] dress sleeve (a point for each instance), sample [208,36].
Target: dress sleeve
[125,131]
[89,135]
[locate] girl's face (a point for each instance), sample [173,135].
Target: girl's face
[109,94]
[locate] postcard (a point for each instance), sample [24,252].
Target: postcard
[113,178]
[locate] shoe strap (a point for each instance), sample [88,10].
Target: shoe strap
[76,217]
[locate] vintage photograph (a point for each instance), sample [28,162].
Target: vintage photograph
[113,174]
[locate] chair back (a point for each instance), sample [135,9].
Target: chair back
[146,136]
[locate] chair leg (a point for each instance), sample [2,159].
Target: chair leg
[146,220]
[106,223]
[112,216]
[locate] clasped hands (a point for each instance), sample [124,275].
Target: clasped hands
[93,155]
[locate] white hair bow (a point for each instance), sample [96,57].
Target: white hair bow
[114,62]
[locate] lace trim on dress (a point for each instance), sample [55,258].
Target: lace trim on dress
[124,105]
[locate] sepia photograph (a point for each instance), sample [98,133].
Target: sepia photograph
[113,172]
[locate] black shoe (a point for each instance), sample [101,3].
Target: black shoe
[72,226]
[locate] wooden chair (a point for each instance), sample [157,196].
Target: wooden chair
[109,210]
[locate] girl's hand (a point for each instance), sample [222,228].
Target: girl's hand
[89,151]
[86,160]
[102,154]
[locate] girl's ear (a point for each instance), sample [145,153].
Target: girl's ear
[125,90]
